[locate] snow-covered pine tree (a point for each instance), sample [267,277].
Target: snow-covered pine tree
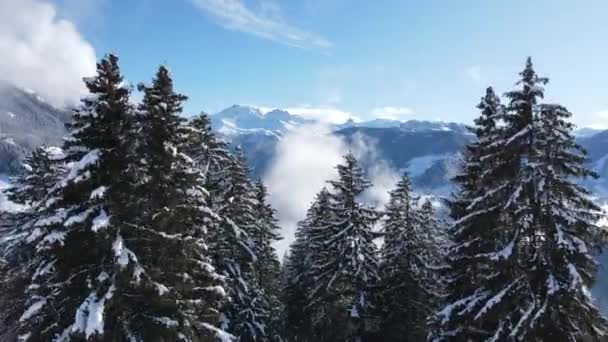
[299,282]
[73,282]
[436,238]
[346,267]
[480,156]
[558,238]
[268,266]
[553,220]
[404,297]
[234,253]
[209,152]
[537,289]
[435,247]
[171,288]
[89,280]
[241,242]
[41,172]
[477,234]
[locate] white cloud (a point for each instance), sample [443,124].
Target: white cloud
[305,160]
[266,22]
[42,52]
[597,120]
[382,176]
[323,114]
[393,113]
[474,73]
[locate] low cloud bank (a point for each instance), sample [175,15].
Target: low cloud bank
[42,52]
[305,160]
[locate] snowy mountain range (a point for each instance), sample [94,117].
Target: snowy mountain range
[428,150]
[238,119]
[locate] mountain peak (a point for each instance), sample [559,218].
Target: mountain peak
[246,119]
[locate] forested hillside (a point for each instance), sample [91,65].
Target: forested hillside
[145,226]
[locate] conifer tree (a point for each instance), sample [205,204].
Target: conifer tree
[73,277]
[242,241]
[268,266]
[403,297]
[299,282]
[435,245]
[526,238]
[103,268]
[41,171]
[209,152]
[346,266]
[164,247]
[477,230]
[234,252]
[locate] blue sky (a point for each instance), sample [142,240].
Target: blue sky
[407,59]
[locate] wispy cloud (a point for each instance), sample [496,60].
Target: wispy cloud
[305,159]
[393,113]
[474,73]
[266,21]
[597,120]
[323,114]
[41,51]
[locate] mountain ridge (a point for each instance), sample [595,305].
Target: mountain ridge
[432,147]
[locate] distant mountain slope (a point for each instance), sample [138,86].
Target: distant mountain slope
[399,146]
[428,150]
[26,121]
[428,153]
[597,149]
[246,120]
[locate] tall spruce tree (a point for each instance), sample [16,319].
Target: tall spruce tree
[103,266]
[305,250]
[268,266]
[210,153]
[477,231]
[346,264]
[41,171]
[526,239]
[74,268]
[405,299]
[434,247]
[163,247]
[565,237]
[234,251]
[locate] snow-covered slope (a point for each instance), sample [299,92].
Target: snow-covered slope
[239,119]
[597,149]
[26,121]
[409,125]
[586,132]
[247,120]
